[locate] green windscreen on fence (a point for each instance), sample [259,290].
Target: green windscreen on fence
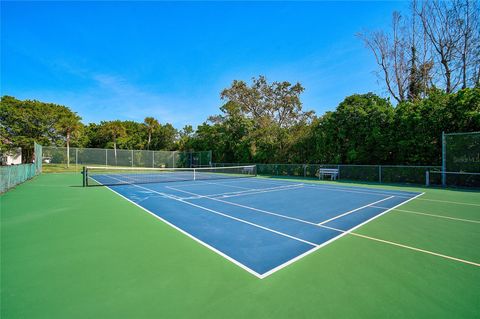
[38,156]
[460,160]
[462,152]
[12,175]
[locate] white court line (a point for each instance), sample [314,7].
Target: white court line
[223,184]
[255,192]
[234,261]
[338,189]
[449,202]
[417,249]
[354,210]
[226,215]
[343,233]
[346,189]
[240,193]
[433,215]
[255,209]
[261,276]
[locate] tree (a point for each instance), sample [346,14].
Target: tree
[402,57]
[264,117]
[469,50]
[69,124]
[453,30]
[28,121]
[277,102]
[114,130]
[184,137]
[436,46]
[165,138]
[152,126]
[363,125]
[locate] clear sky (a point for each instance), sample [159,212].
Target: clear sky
[170,60]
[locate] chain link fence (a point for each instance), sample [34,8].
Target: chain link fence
[365,173]
[12,175]
[59,159]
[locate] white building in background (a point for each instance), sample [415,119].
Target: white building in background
[12,157]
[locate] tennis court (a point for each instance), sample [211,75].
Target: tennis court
[232,244]
[260,225]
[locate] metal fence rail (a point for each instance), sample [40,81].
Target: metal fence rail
[75,158]
[366,173]
[12,175]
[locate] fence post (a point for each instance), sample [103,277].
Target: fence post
[84,177]
[106,158]
[76,158]
[9,177]
[153,158]
[427,178]
[444,160]
[132,158]
[380,173]
[304,170]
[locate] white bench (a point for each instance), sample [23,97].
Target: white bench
[332,172]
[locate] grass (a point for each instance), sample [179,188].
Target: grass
[60,168]
[73,252]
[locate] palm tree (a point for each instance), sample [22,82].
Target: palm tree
[115,130]
[152,126]
[69,124]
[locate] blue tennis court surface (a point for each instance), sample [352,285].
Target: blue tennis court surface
[260,224]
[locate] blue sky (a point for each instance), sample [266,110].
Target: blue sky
[170,60]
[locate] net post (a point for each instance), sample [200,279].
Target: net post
[427,178]
[84,176]
[444,159]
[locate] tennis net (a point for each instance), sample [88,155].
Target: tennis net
[109,176]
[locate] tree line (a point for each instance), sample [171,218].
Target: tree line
[265,123]
[429,63]
[28,121]
[364,128]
